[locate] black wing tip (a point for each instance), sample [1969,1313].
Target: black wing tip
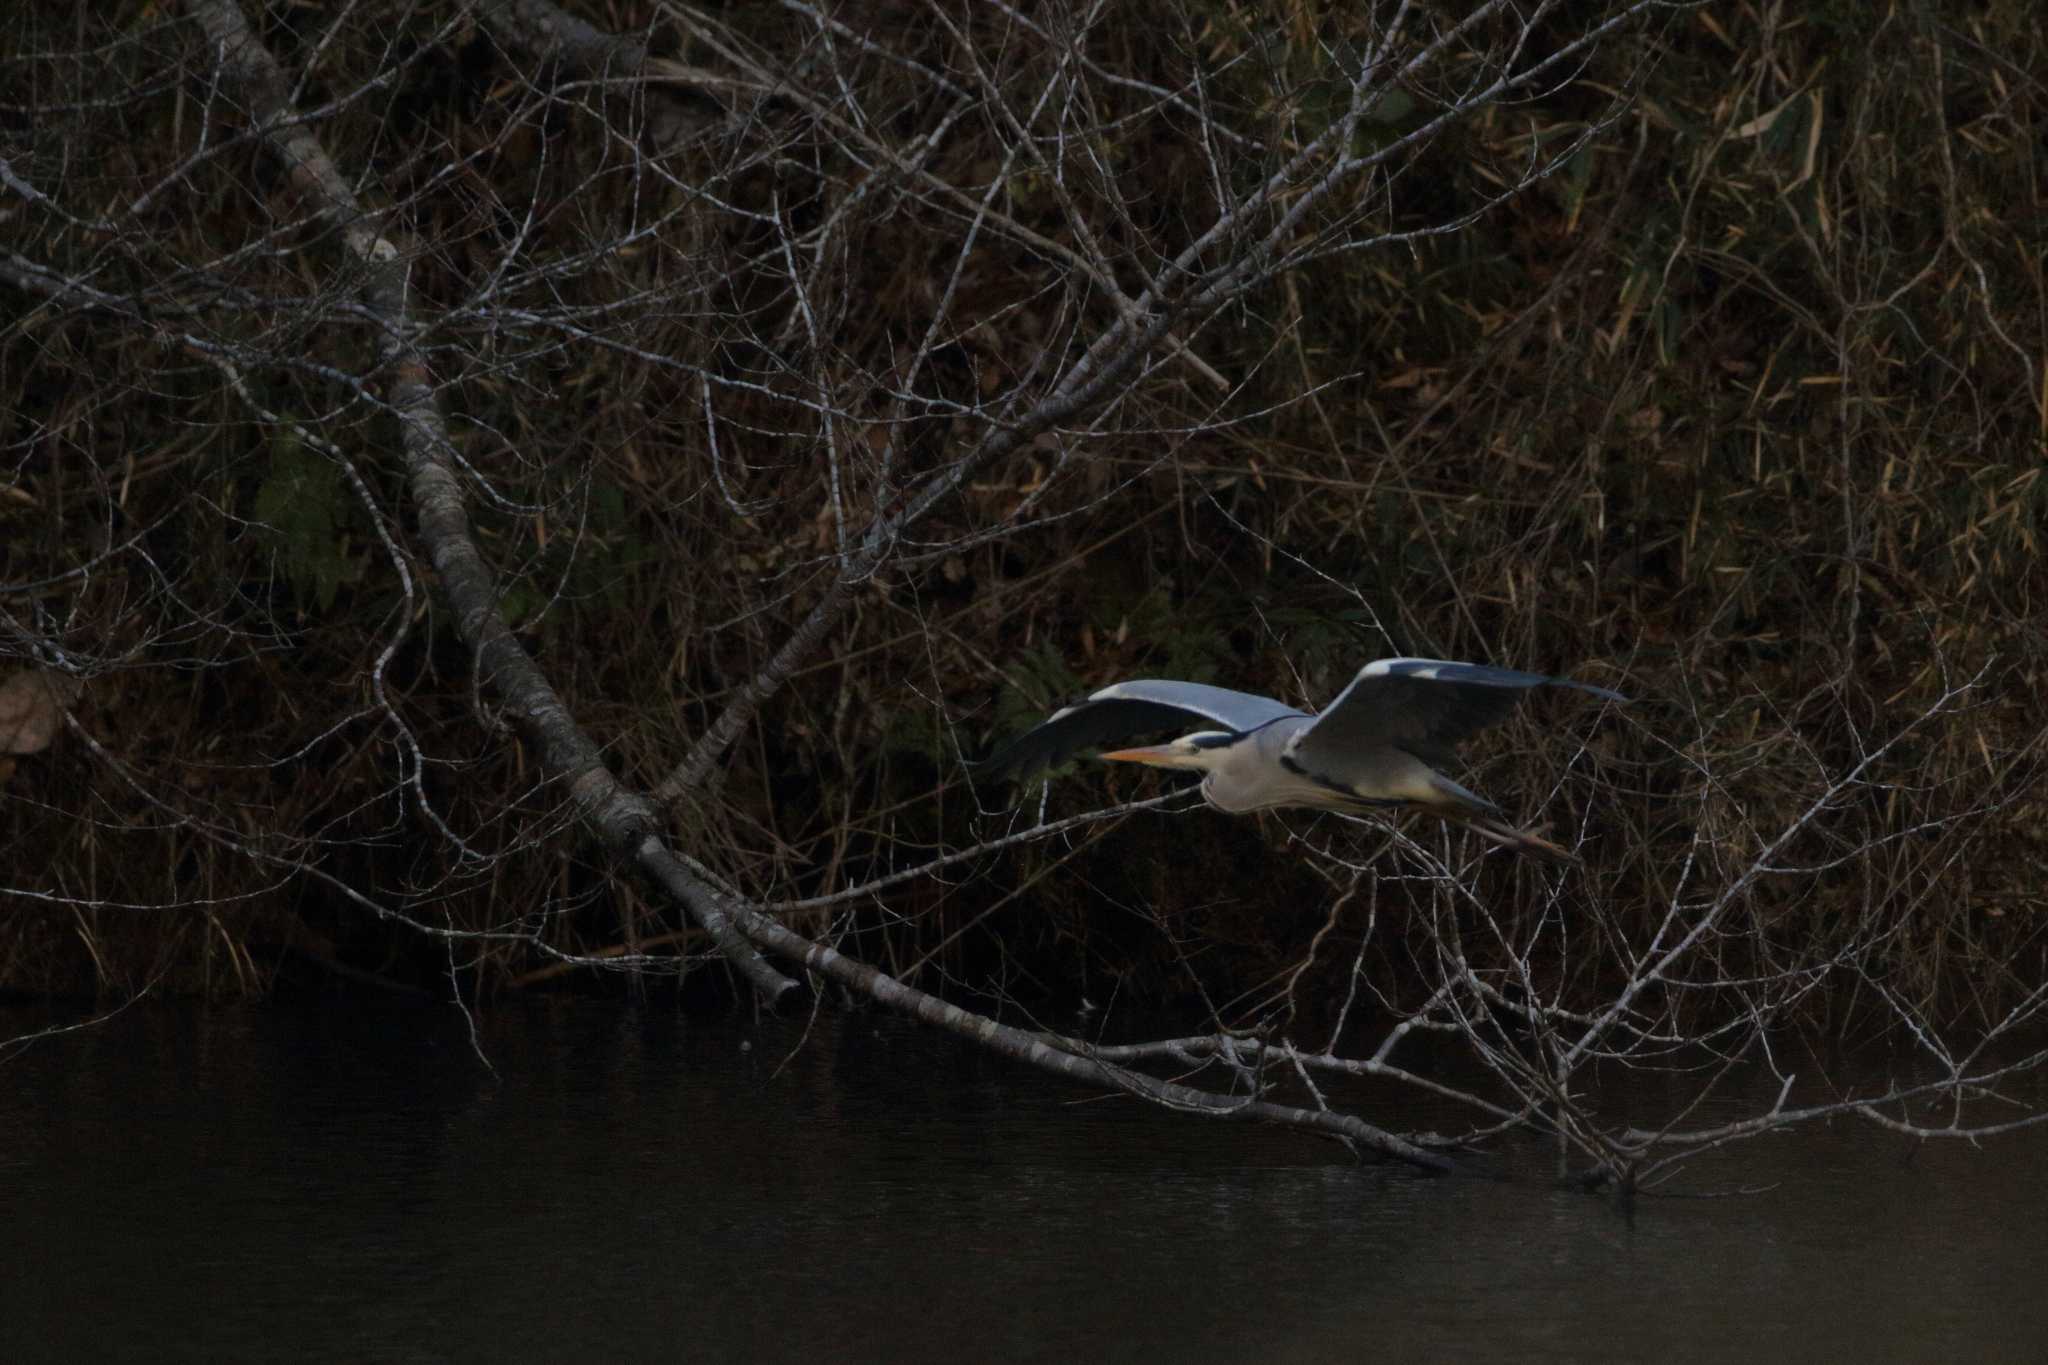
[1050,745]
[1007,764]
[1023,761]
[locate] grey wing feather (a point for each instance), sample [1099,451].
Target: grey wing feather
[1425,706]
[1237,712]
[1125,710]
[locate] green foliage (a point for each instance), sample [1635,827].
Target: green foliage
[1181,639]
[1036,681]
[304,508]
[592,570]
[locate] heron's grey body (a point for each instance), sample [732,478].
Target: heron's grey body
[1378,745]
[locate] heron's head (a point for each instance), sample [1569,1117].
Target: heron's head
[1199,752]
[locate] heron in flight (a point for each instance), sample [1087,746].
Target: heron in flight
[1377,747]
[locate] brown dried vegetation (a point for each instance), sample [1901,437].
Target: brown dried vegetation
[1743,412]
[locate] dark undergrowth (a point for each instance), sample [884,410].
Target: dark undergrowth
[1742,414]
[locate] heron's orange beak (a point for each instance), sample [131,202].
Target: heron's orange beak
[1156,755]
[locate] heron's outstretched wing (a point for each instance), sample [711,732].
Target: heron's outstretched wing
[1423,706]
[1125,710]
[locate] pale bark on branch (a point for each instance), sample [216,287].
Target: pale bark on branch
[624,819]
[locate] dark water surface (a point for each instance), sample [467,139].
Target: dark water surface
[349,1184]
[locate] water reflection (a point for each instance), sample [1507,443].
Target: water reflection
[350,1184]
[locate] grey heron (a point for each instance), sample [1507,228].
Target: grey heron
[1377,747]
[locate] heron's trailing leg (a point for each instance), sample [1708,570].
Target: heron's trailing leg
[1506,835]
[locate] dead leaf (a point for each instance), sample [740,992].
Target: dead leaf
[32,709]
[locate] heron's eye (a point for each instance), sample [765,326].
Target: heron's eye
[1211,739]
